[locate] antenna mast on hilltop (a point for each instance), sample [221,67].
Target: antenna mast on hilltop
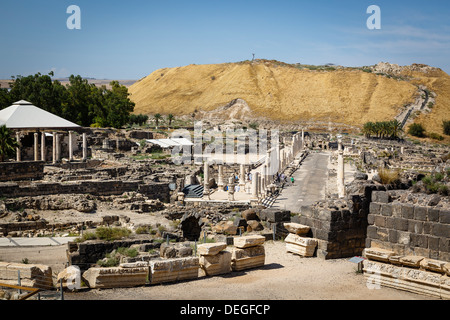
[253,57]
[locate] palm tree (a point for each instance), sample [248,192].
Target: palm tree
[157,118]
[8,144]
[170,118]
[396,129]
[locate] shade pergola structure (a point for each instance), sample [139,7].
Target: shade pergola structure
[24,117]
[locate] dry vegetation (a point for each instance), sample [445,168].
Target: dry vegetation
[274,90]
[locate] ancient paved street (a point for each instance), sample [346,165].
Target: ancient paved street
[309,184]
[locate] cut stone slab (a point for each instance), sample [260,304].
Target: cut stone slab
[433,265]
[115,277]
[170,270]
[32,275]
[248,241]
[300,245]
[407,279]
[296,228]
[248,258]
[211,265]
[411,261]
[378,254]
[210,249]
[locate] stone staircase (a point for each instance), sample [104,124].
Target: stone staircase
[193,191]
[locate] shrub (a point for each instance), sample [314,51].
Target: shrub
[436,136]
[446,125]
[417,130]
[106,234]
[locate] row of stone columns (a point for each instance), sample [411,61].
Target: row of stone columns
[56,148]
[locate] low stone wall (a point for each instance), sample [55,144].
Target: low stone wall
[26,170]
[86,254]
[408,229]
[100,188]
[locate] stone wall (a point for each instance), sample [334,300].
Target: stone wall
[27,170]
[408,229]
[87,253]
[100,188]
[340,231]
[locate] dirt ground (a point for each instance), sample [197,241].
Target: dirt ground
[284,277]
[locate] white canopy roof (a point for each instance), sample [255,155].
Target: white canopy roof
[23,115]
[167,143]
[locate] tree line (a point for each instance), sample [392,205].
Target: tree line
[79,101]
[383,130]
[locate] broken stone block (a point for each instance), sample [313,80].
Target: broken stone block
[211,265]
[411,261]
[433,265]
[70,278]
[378,254]
[171,270]
[297,228]
[248,241]
[115,277]
[248,258]
[210,249]
[31,275]
[300,245]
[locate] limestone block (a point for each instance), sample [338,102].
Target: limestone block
[378,254]
[297,228]
[407,279]
[248,241]
[210,249]
[433,265]
[211,265]
[115,277]
[32,275]
[446,268]
[300,245]
[137,264]
[170,270]
[248,258]
[70,278]
[411,261]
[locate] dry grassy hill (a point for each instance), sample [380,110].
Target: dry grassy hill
[280,91]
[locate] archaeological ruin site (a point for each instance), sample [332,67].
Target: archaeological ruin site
[204,198]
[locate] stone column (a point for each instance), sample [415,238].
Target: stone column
[242,178]
[220,182]
[255,179]
[36,146]
[231,189]
[70,145]
[206,178]
[18,149]
[84,147]
[58,147]
[340,171]
[43,154]
[54,148]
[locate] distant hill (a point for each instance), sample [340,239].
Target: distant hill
[279,91]
[64,81]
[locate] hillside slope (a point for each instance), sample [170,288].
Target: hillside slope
[279,91]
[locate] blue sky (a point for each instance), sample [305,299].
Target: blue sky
[130,39]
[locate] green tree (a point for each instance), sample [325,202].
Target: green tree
[170,118]
[8,144]
[118,106]
[157,117]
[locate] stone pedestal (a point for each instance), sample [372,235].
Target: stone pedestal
[300,245]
